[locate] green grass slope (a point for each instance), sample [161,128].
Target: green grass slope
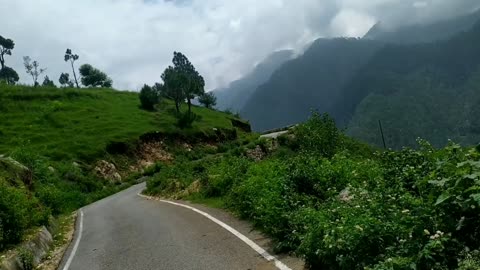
[78,124]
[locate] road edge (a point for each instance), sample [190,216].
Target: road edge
[261,251]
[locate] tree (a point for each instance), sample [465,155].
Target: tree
[149,97]
[190,81]
[6,47]
[48,82]
[171,88]
[65,81]
[92,77]
[69,56]
[208,100]
[9,75]
[33,69]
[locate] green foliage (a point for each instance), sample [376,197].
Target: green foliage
[19,212]
[318,134]
[345,207]
[148,98]
[47,82]
[6,47]
[185,120]
[65,81]
[9,75]
[26,259]
[92,77]
[209,100]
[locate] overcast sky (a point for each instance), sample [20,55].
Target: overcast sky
[133,40]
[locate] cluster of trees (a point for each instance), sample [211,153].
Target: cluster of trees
[89,76]
[181,83]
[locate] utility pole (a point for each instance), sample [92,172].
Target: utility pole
[381,131]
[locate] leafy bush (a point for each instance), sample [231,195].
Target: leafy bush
[19,212]
[185,120]
[318,134]
[149,97]
[340,205]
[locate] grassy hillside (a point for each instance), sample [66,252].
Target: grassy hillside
[52,139]
[78,124]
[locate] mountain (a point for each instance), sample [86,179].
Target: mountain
[335,75]
[429,90]
[424,33]
[237,93]
[312,81]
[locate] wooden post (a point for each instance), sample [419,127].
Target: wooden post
[381,131]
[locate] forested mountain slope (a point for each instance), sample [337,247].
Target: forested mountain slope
[312,81]
[430,91]
[237,93]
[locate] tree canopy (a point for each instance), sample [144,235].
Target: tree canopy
[70,57]
[64,80]
[6,47]
[92,77]
[209,100]
[48,82]
[33,69]
[9,75]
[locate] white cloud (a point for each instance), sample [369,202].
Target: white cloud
[133,40]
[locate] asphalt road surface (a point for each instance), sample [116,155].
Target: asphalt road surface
[126,231]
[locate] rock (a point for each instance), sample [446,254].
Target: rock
[38,247]
[107,171]
[345,195]
[256,154]
[241,125]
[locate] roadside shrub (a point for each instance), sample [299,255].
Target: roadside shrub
[20,211]
[263,197]
[224,174]
[318,134]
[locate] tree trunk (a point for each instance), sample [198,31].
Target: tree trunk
[189,107]
[177,106]
[74,75]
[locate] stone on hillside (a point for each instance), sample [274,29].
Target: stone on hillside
[107,171]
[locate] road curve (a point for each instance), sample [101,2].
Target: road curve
[126,231]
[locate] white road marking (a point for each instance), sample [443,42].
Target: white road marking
[280,265]
[77,242]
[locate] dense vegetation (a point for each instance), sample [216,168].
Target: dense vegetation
[341,204]
[428,91]
[53,138]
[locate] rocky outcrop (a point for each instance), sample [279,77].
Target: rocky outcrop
[37,248]
[257,154]
[241,125]
[107,171]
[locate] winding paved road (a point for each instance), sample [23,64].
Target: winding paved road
[126,231]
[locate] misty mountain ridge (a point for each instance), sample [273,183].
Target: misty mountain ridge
[355,79]
[421,33]
[238,92]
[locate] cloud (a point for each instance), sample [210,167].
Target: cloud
[133,40]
